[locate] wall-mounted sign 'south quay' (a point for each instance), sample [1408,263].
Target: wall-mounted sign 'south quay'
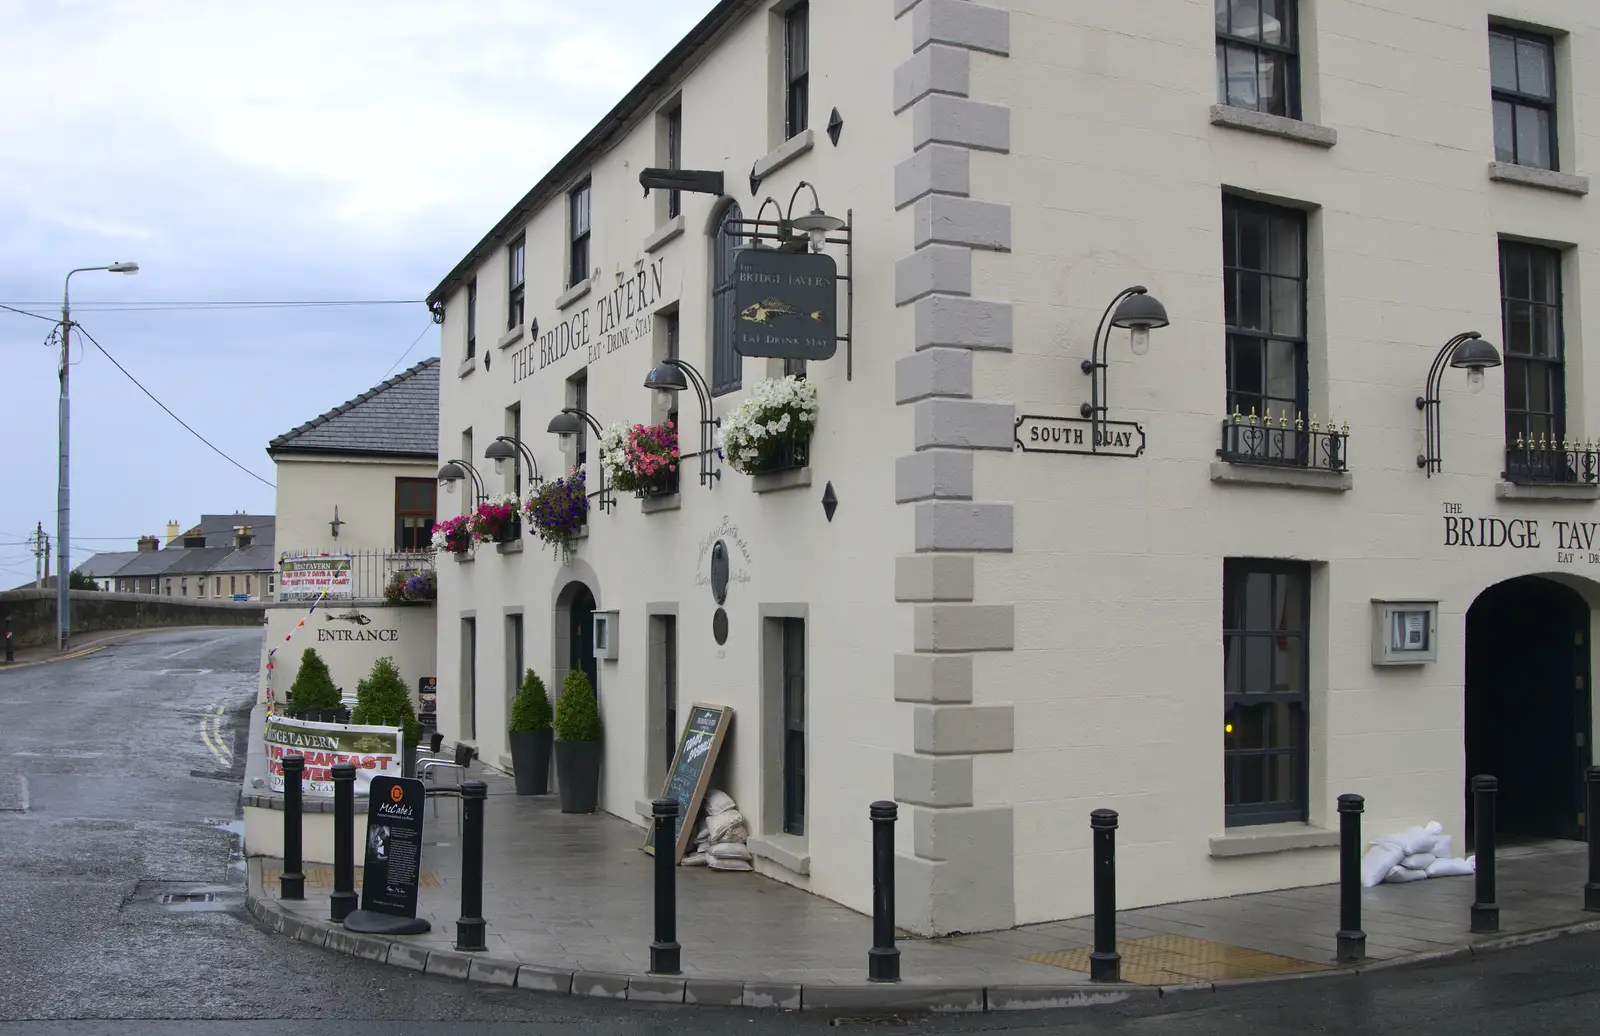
[785,304]
[1038,434]
[616,319]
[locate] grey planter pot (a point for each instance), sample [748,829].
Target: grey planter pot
[578,770]
[530,760]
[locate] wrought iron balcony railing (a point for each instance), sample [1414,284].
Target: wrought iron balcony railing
[1548,462]
[1280,443]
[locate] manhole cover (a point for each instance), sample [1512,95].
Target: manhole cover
[188,897]
[183,897]
[852,1022]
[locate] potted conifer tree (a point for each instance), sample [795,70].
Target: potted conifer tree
[531,737]
[384,700]
[577,727]
[313,696]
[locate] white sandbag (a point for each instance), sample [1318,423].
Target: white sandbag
[702,836]
[1450,868]
[728,826]
[1413,839]
[1444,848]
[728,851]
[1378,862]
[694,860]
[728,865]
[1418,861]
[1404,874]
[716,802]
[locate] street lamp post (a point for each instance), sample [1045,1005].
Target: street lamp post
[64,475]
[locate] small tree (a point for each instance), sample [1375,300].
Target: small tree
[383,700]
[531,708]
[78,581]
[313,687]
[577,713]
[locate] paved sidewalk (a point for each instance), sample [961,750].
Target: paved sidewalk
[569,897]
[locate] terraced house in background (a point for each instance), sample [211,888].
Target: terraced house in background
[1295,553]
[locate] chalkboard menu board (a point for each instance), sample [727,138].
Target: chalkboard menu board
[394,859]
[691,769]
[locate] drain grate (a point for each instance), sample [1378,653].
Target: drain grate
[850,1022]
[187,897]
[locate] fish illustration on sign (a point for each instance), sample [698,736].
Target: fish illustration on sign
[355,617]
[764,311]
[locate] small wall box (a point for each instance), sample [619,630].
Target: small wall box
[1405,632]
[605,635]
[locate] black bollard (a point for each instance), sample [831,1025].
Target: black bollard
[1351,939]
[470,926]
[343,899]
[883,960]
[664,952]
[1591,891]
[1485,912]
[292,882]
[1105,963]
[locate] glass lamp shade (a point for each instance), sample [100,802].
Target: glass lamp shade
[664,377]
[565,424]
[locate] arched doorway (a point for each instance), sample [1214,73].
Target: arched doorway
[575,607]
[1527,704]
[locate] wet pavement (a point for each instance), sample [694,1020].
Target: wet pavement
[132,759]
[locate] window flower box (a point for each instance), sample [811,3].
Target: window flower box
[454,535]
[496,520]
[643,459]
[558,513]
[771,431]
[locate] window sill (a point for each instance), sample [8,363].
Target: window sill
[787,851]
[468,365]
[1273,125]
[1271,838]
[1550,491]
[510,547]
[665,232]
[777,481]
[783,154]
[572,294]
[1289,478]
[1547,179]
[511,337]
[464,557]
[657,504]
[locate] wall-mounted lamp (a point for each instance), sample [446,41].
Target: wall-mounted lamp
[453,471]
[1470,352]
[336,523]
[506,447]
[571,421]
[673,376]
[816,225]
[1136,310]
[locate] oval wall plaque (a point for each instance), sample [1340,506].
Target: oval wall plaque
[719,626]
[719,572]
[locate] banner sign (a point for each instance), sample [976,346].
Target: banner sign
[785,304]
[307,577]
[374,751]
[394,846]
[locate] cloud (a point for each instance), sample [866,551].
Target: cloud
[298,149]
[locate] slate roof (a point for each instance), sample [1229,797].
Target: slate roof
[218,528]
[259,558]
[161,562]
[398,417]
[105,564]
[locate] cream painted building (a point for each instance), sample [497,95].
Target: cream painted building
[1191,623]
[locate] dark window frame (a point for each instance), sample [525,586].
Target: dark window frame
[1521,361]
[675,157]
[580,401]
[423,539]
[794,726]
[1239,335]
[1288,52]
[1520,99]
[472,318]
[727,366]
[514,411]
[516,282]
[1235,573]
[669,682]
[516,642]
[673,332]
[580,218]
[796,70]
[469,637]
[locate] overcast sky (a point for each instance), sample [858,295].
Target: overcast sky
[257,152]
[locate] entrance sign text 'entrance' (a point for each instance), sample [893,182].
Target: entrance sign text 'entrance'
[785,304]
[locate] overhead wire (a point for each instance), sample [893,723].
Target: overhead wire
[168,409]
[410,347]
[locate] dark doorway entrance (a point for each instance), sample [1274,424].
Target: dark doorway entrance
[580,636]
[1527,707]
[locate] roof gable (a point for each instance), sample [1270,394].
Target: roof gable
[398,417]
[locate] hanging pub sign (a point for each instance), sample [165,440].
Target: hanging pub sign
[785,304]
[1036,434]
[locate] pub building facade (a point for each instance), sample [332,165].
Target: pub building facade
[1203,434]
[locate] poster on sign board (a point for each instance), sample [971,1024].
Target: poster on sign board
[374,751]
[307,577]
